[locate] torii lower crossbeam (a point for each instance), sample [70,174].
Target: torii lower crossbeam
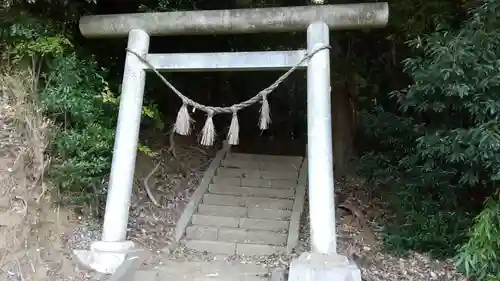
[234,61]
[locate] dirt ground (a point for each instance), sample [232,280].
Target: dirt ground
[359,238]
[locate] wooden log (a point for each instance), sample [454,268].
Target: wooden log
[282,19]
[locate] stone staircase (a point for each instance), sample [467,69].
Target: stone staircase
[248,206]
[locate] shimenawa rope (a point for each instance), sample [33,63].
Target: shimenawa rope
[183,122]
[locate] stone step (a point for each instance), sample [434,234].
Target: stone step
[242,212]
[270,214]
[222,211]
[250,236]
[214,247]
[248,223]
[258,250]
[8,218]
[146,275]
[228,248]
[277,183]
[265,158]
[224,180]
[5,202]
[259,165]
[236,235]
[251,191]
[264,224]
[258,174]
[254,182]
[215,270]
[247,201]
[199,219]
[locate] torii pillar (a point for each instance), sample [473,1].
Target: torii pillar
[323,263]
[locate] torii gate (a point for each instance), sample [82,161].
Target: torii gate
[323,263]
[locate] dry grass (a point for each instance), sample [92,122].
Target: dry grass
[30,227]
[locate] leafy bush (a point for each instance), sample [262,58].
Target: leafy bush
[479,257]
[75,94]
[444,161]
[428,217]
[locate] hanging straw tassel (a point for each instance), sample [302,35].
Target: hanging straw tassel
[208,133]
[183,123]
[265,117]
[234,130]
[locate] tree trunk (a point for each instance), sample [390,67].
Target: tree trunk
[344,124]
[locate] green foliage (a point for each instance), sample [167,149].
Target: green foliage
[427,214]
[479,257]
[74,93]
[42,47]
[167,5]
[442,156]
[415,17]
[6,4]
[78,96]
[83,149]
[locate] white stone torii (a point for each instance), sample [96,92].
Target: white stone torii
[108,254]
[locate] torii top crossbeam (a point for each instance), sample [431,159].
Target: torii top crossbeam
[282,19]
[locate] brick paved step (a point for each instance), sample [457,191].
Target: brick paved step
[241,212]
[227,248]
[259,174]
[255,182]
[236,235]
[248,223]
[247,201]
[251,191]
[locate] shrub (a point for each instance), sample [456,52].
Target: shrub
[74,93]
[442,159]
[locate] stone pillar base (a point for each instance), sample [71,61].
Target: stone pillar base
[318,267]
[105,257]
